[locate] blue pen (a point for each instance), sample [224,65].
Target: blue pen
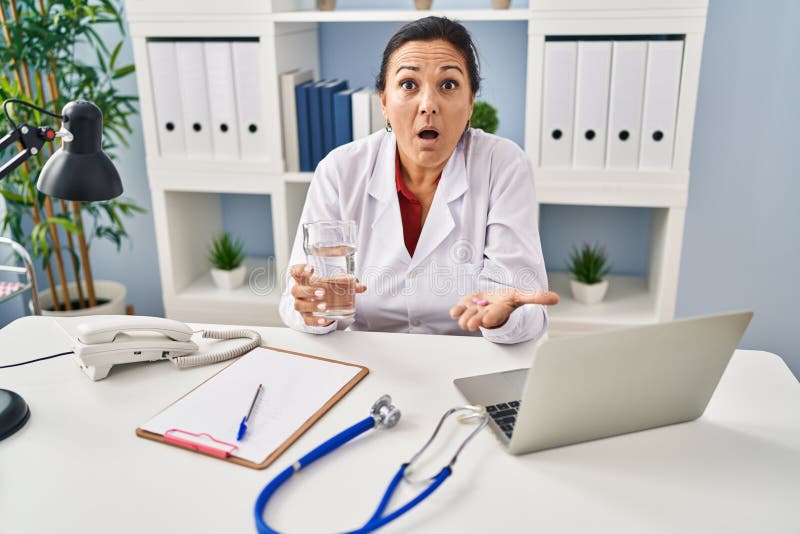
[246,418]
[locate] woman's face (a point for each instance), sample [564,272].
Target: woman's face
[428,100]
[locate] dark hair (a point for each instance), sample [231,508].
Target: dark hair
[431,29]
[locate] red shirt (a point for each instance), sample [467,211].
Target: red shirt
[410,210]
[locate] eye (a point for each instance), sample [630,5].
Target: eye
[408,85]
[449,85]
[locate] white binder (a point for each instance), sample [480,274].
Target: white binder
[664,59]
[591,104]
[221,99]
[194,99]
[377,120]
[361,104]
[250,100]
[558,102]
[166,96]
[291,148]
[628,62]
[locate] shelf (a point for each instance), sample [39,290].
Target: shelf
[298,177]
[539,6]
[206,181]
[600,193]
[230,166]
[629,176]
[255,303]
[391,15]
[190,195]
[627,303]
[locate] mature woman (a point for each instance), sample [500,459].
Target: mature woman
[447,237]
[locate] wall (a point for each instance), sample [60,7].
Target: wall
[742,242]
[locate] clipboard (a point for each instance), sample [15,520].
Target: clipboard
[189,424]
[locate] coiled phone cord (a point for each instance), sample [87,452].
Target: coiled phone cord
[192,360]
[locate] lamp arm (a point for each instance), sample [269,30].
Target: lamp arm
[32,140]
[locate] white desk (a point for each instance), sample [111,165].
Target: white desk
[78,467]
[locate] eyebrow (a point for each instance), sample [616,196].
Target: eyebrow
[441,69]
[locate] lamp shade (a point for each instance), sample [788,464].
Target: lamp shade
[80,170]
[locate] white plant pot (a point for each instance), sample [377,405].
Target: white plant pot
[588,293]
[229,279]
[104,290]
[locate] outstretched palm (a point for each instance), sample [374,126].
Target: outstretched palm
[491,309]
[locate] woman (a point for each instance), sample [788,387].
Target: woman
[447,235]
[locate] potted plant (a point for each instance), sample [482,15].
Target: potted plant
[423,4]
[326,5]
[484,116]
[501,4]
[39,65]
[589,267]
[226,255]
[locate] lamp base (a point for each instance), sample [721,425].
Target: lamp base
[14,413]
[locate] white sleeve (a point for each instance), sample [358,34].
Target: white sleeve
[513,252]
[322,203]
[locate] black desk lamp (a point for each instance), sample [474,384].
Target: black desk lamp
[78,171]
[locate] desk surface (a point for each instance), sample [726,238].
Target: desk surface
[78,467]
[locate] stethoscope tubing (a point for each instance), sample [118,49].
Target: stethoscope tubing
[376,521]
[332,444]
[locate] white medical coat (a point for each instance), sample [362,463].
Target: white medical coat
[481,232]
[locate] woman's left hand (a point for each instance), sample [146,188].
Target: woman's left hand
[491,309]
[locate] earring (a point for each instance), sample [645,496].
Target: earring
[388,127]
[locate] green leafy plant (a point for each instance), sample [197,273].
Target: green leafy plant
[40,65]
[226,253]
[588,264]
[484,116]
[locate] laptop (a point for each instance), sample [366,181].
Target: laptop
[593,386]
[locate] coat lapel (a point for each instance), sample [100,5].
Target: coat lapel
[386,224]
[439,223]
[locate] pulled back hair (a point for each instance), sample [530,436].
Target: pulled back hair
[432,29]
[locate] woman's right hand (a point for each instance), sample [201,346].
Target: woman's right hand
[313,296]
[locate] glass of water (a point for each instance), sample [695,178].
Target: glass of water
[330,248]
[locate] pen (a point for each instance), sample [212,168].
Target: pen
[246,418]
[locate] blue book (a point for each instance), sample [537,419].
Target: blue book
[342,117]
[328,90]
[303,126]
[315,122]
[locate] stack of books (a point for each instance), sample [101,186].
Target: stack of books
[319,116]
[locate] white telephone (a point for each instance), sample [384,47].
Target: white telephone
[101,341]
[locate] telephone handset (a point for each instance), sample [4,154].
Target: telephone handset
[101,341]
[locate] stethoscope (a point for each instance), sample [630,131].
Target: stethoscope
[383,414]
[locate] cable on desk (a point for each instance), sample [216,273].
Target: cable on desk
[36,360]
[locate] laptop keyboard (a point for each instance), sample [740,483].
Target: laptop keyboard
[505,415]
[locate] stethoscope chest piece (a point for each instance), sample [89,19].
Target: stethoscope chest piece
[385,414]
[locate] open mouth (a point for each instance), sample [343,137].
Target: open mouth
[428,134]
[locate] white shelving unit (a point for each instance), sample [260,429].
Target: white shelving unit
[186,193]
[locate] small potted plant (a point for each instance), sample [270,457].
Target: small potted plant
[589,267]
[484,116]
[423,4]
[326,5]
[501,4]
[226,255]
